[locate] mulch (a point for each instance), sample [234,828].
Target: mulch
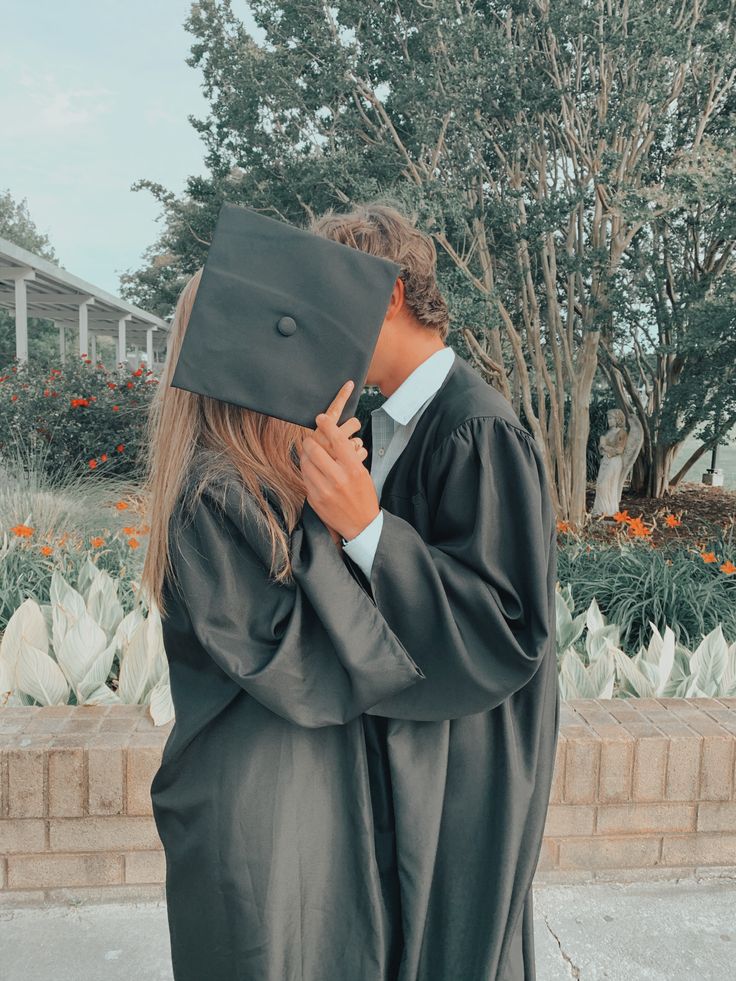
[705,513]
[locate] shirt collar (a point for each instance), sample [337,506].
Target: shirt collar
[417,387]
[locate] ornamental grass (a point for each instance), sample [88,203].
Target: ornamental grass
[54,521]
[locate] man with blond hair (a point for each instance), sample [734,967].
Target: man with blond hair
[449,527]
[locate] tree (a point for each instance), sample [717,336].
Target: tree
[18,227]
[522,135]
[677,316]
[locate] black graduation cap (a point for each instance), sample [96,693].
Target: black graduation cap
[282,318]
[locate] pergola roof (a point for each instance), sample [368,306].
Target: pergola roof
[54,294]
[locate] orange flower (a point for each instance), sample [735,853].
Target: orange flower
[46,550]
[728,567]
[708,556]
[621,516]
[97,542]
[103,458]
[120,447]
[563,526]
[138,373]
[92,464]
[130,530]
[75,403]
[22,531]
[133,542]
[13,398]
[144,529]
[638,529]
[122,505]
[130,384]
[671,521]
[116,408]
[111,385]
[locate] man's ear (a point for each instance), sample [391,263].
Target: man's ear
[396,302]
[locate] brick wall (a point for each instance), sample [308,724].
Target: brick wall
[643,788]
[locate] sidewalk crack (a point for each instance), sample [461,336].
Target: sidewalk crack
[572,967]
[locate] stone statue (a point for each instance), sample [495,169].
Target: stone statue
[619,450]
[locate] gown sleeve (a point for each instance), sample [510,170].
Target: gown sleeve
[473,604]
[315,651]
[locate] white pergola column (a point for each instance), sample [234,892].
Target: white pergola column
[62,343]
[149,347]
[122,345]
[21,319]
[20,276]
[83,329]
[93,348]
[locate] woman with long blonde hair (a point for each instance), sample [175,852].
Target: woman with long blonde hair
[262,799]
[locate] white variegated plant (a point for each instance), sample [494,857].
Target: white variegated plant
[664,668]
[590,675]
[64,651]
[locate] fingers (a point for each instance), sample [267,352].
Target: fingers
[318,464]
[334,409]
[352,425]
[339,445]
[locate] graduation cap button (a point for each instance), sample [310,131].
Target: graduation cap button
[286,326]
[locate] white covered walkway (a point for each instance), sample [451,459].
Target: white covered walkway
[34,287]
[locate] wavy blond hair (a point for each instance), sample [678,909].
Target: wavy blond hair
[193,441]
[380,228]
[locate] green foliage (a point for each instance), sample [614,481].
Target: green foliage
[69,518]
[540,144]
[64,652]
[635,584]
[64,418]
[665,668]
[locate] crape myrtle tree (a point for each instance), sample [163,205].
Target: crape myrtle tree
[677,316]
[522,135]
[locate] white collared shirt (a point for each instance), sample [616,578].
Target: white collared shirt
[392,423]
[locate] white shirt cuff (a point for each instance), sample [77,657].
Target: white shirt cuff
[362,548]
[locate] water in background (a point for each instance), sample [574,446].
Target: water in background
[726,461]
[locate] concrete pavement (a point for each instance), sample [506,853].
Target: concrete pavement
[647,931]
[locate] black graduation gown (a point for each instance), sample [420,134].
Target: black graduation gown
[356,784]
[261,799]
[461,763]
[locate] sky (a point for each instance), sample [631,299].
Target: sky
[95,95]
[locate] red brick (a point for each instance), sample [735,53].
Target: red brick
[717,816]
[649,819]
[49,870]
[627,851]
[112,833]
[149,866]
[66,782]
[699,849]
[26,768]
[564,820]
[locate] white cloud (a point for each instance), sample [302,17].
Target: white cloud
[42,104]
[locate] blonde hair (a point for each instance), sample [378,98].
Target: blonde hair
[195,435]
[380,229]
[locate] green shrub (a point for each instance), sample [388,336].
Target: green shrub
[52,523]
[634,583]
[77,418]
